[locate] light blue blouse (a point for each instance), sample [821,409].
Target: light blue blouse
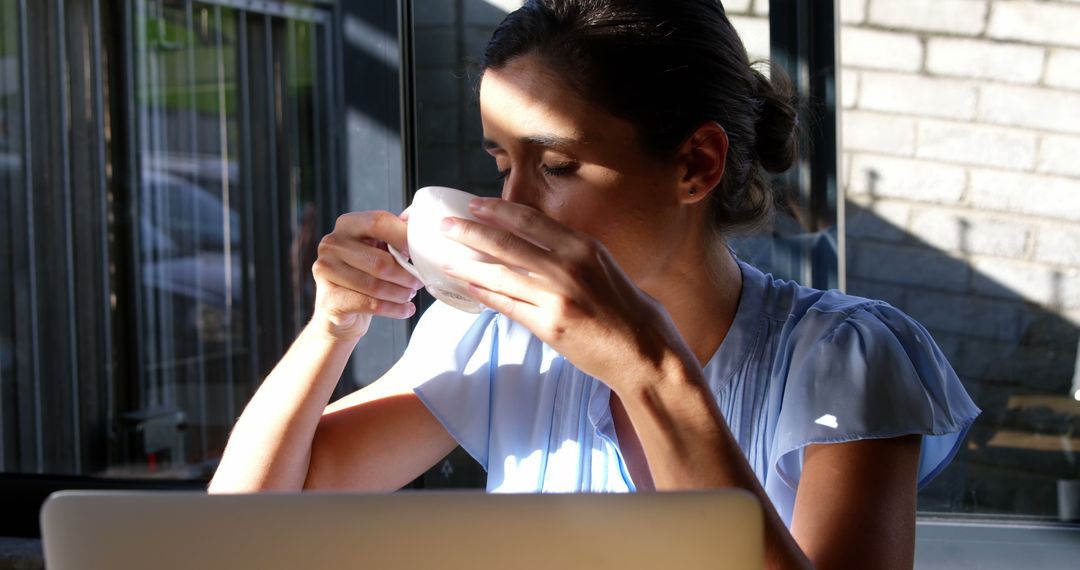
[798,367]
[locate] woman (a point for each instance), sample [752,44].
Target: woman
[634,351]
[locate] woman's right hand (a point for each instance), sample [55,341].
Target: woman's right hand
[356,278]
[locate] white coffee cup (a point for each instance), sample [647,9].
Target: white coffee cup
[430,249]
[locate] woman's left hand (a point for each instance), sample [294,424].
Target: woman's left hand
[567,289]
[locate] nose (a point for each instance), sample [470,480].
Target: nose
[518,188]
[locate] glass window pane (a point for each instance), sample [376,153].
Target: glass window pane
[11,185]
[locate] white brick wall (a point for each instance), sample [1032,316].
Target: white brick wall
[916,95]
[879,132]
[1032,282]
[1031,107]
[1063,68]
[962,232]
[737,6]
[849,88]
[1052,197]
[880,50]
[966,143]
[979,59]
[1060,155]
[755,35]
[1038,22]
[962,17]
[882,176]
[1058,244]
[853,11]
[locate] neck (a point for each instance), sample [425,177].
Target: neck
[701,301]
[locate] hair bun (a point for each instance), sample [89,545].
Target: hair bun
[777,143]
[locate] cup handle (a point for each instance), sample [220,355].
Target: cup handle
[403,262]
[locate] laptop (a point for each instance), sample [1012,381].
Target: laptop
[406,530]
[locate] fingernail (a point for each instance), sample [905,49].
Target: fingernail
[412,295]
[447,224]
[410,310]
[478,205]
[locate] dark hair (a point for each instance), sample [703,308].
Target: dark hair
[667,66]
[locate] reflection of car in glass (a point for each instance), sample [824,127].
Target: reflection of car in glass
[187,235]
[187,215]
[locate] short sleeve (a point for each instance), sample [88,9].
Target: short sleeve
[448,357]
[868,373]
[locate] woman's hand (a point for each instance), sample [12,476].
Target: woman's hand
[566,288]
[356,278]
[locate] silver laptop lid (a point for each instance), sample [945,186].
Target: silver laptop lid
[407,530]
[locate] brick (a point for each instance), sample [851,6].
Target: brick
[968,233]
[961,17]
[877,132]
[902,93]
[737,6]
[754,33]
[976,144]
[1063,68]
[969,315]
[1036,195]
[1030,107]
[906,265]
[885,177]
[984,60]
[1059,154]
[849,88]
[880,50]
[1058,244]
[1016,280]
[852,11]
[876,219]
[1040,23]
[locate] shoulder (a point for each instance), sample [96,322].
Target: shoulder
[811,315]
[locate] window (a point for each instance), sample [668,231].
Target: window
[169,166]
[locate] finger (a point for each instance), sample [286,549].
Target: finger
[368,259]
[500,244]
[378,224]
[345,301]
[500,279]
[526,222]
[344,275]
[516,310]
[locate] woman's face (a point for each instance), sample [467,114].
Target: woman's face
[580,165]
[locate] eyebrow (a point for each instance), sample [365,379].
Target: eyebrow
[544,140]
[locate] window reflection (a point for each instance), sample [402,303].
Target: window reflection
[214,247]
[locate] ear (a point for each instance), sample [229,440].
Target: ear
[703,155]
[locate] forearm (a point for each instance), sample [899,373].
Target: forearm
[688,445]
[270,446]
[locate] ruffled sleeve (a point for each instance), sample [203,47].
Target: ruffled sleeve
[868,372]
[448,357]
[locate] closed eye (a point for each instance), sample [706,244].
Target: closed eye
[560,170]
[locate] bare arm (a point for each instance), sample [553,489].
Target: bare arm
[286,439]
[855,505]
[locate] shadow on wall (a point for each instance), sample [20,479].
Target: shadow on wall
[1016,357]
